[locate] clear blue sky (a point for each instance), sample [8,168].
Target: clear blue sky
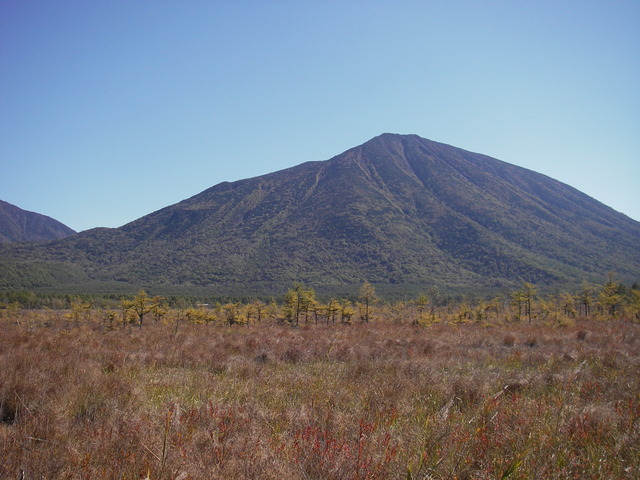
[112,109]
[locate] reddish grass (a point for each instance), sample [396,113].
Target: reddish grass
[376,401]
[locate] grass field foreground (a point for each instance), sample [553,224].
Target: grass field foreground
[384,400]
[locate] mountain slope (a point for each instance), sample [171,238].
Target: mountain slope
[17,225]
[397,210]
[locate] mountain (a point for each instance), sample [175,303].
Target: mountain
[399,211]
[17,225]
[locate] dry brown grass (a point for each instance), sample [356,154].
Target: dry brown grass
[377,401]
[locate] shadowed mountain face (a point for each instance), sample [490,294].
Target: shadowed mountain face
[17,225]
[397,210]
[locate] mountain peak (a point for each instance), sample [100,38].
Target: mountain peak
[396,138]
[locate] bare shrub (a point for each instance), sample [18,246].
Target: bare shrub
[292,355]
[509,340]
[8,409]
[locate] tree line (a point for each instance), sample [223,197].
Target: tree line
[301,306]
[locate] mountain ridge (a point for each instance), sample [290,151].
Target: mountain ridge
[18,225]
[397,210]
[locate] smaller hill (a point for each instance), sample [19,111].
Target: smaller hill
[17,225]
